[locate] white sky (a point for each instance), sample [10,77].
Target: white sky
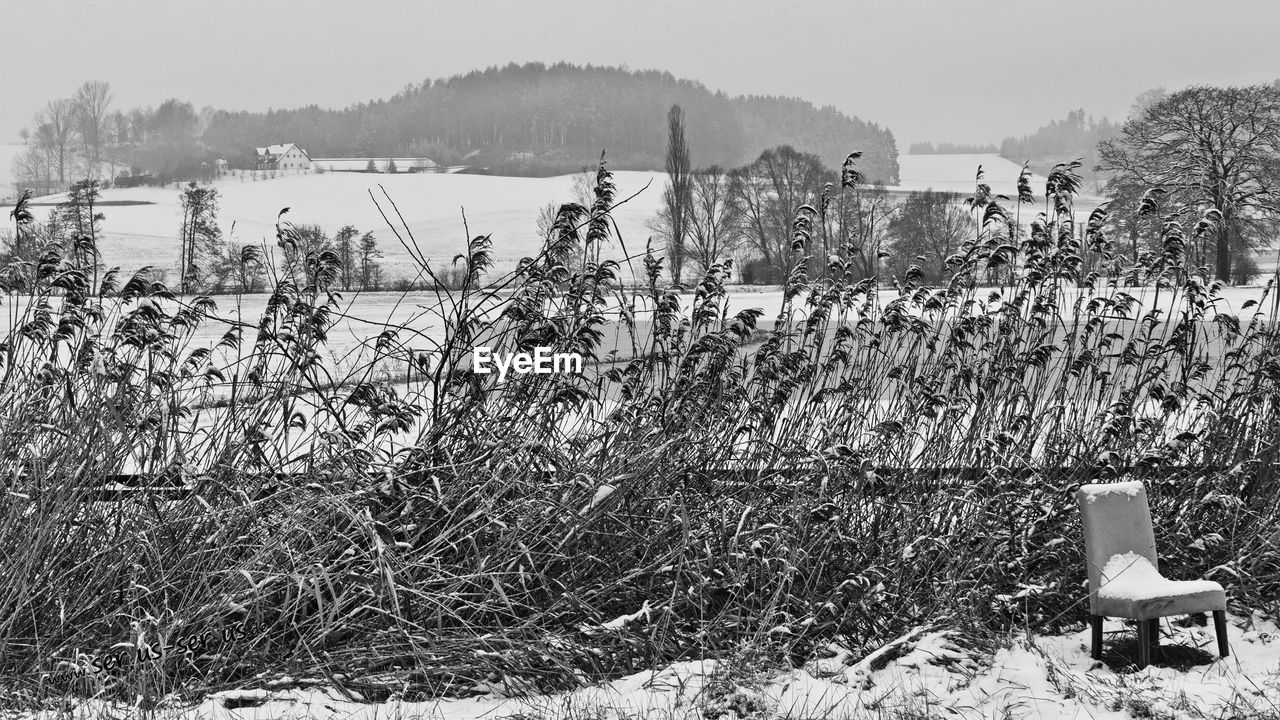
[954,70]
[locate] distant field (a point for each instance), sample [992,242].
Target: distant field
[432,205]
[506,207]
[956,173]
[142,224]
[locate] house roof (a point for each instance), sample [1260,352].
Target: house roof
[278,150]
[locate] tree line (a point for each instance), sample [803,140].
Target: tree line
[1198,171]
[552,119]
[712,216]
[531,119]
[83,137]
[1075,136]
[948,148]
[1195,172]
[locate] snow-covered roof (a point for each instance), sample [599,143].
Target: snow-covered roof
[278,150]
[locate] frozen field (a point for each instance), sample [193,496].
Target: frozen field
[955,173]
[417,317]
[432,205]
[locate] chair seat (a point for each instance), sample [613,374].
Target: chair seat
[1131,587]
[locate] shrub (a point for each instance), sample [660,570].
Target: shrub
[758,271]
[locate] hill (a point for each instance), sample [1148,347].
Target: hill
[538,119]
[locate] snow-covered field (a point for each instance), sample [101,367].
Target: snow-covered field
[417,315]
[930,672]
[955,173]
[432,205]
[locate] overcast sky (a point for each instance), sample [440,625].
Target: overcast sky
[959,70]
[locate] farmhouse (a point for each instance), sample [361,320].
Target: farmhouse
[282,157]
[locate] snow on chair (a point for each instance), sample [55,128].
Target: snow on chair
[1124,581]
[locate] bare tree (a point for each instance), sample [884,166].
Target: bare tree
[1145,100]
[546,220]
[583,187]
[677,199]
[928,228]
[31,169]
[713,222]
[91,118]
[117,142]
[241,266]
[768,192]
[1213,149]
[862,218]
[55,131]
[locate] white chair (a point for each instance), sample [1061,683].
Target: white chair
[1124,579]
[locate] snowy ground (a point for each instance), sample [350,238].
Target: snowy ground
[432,205]
[416,315]
[955,173]
[928,673]
[506,207]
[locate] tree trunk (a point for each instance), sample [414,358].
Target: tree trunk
[1223,270]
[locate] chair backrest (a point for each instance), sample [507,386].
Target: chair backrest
[1116,520]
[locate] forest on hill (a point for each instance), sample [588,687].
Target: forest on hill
[1074,137]
[539,119]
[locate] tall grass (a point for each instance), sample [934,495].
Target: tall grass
[735,479]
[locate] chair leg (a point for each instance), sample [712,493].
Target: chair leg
[1220,629]
[1095,649]
[1154,635]
[1144,643]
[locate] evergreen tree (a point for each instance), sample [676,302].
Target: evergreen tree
[370,268]
[345,245]
[82,222]
[200,239]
